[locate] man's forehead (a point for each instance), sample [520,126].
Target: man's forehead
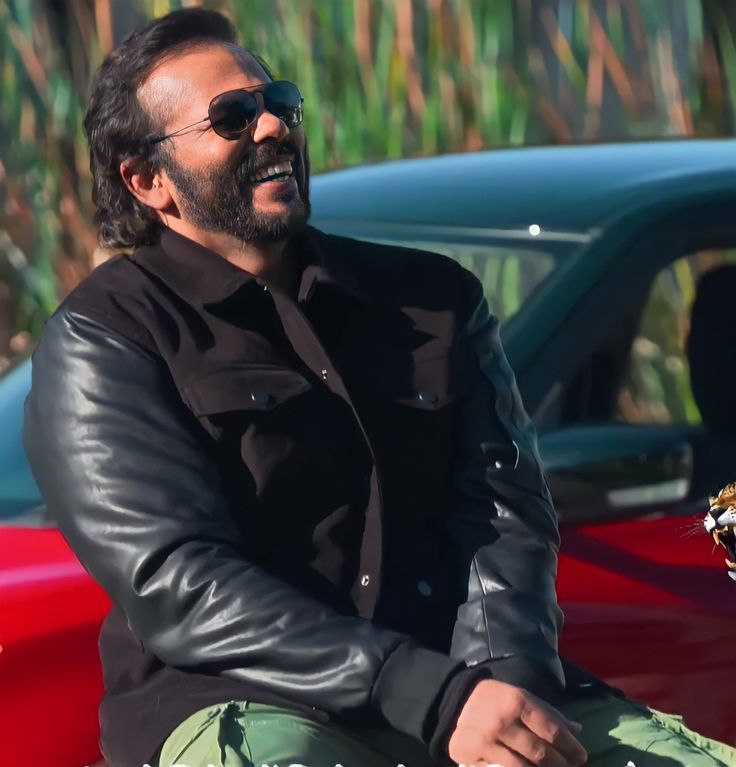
[183,84]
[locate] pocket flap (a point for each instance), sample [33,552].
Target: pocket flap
[243,388]
[426,398]
[425,386]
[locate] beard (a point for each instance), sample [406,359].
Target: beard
[222,199]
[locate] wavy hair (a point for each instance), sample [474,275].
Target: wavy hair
[118,126]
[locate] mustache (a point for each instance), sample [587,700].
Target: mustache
[266,154]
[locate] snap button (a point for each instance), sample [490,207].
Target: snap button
[324,375]
[260,398]
[427,397]
[365,580]
[424,589]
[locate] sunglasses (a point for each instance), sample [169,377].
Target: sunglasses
[231,113]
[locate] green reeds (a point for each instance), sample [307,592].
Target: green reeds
[381,79]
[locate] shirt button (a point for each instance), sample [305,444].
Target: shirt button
[260,398]
[324,375]
[427,397]
[365,580]
[424,589]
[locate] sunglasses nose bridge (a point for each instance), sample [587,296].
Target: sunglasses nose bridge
[267,125]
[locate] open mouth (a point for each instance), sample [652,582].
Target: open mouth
[277,172]
[726,536]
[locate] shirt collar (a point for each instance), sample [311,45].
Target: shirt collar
[202,277]
[326,264]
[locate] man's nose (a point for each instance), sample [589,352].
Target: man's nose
[268,126]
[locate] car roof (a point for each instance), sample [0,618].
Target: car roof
[560,188]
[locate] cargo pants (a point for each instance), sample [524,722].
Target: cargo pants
[616,733]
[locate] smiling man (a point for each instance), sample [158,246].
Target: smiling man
[298,464]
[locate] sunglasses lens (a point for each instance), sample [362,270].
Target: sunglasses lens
[232,112]
[282,99]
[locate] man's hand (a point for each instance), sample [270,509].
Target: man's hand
[505,725]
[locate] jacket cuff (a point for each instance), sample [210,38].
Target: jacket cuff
[513,670]
[451,704]
[521,673]
[411,685]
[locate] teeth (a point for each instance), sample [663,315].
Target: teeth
[272,170]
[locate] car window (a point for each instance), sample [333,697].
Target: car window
[656,387]
[509,273]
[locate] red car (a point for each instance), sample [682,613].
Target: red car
[591,257]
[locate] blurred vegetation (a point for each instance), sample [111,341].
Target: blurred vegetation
[381,79]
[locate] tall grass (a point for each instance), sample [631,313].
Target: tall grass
[381,78]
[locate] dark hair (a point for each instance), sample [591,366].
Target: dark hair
[117,125]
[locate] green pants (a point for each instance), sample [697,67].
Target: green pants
[240,734]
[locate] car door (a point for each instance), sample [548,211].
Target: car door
[648,603]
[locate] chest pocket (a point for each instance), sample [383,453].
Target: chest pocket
[244,388]
[417,393]
[423,383]
[408,414]
[291,434]
[231,402]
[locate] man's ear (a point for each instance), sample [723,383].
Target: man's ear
[146,185]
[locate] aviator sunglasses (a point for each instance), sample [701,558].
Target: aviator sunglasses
[231,113]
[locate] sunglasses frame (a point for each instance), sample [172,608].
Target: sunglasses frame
[260,110]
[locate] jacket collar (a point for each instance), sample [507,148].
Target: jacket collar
[327,263]
[204,278]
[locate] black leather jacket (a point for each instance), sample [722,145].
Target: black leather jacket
[335,503]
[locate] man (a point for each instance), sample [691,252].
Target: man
[297,463]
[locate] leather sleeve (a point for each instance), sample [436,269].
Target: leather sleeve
[503,523]
[120,463]
[503,527]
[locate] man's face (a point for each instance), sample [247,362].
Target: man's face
[213,178]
